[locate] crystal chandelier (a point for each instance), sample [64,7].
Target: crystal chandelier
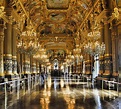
[28,43]
[77,54]
[95,34]
[69,59]
[95,48]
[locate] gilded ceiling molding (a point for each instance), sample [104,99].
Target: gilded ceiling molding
[88,14]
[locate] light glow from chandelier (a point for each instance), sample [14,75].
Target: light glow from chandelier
[95,48]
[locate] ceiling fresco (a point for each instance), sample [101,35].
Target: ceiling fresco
[56,22]
[57,4]
[57,17]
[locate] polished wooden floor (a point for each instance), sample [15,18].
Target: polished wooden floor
[60,93]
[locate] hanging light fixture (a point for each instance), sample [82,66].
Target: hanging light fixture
[28,44]
[95,48]
[94,33]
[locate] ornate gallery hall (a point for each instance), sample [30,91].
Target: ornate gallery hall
[60,54]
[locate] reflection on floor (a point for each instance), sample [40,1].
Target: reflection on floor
[61,93]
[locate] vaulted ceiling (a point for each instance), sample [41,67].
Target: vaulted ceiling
[58,24]
[56,21]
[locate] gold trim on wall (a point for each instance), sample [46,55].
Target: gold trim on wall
[107,55]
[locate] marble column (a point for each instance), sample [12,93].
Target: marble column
[107,39]
[34,68]
[19,66]
[115,51]
[31,61]
[26,65]
[101,58]
[119,56]
[88,65]
[8,51]
[37,67]
[108,51]
[1,50]
[22,64]
[14,49]
[8,44]
[70,69]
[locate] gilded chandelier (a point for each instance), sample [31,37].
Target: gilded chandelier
[95,48]
[77,54]
[28,43]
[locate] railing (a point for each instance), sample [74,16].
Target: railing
[109,84]
[11,91]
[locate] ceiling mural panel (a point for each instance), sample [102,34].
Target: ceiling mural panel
[57,17]
[57,4]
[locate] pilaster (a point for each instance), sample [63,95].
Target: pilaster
[8,50]
[14,49]
[1,49]
[107,39]
[101,58]
[88,65]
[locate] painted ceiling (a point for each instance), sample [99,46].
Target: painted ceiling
[56,22]
[57,4]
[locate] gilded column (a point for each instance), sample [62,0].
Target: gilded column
[8,47]
[119,55]
[88,65]
[33,67]
[22,64]
[37,67]
[70,69]
[108,50]
[1,50]
[14,50]
[31,61]
[101,58]
[26,66]
[114,51]
[24,60]
[107,40]
[19,69]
